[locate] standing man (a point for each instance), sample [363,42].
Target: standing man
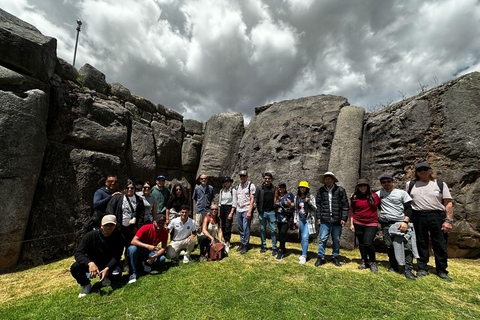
[432,213]
[264,201]
[202,197]
[145,246]
[245,199]
[332,214]
[100,201]
[161,193]
[396,208]
[182,236]
[97,255]
[227,203]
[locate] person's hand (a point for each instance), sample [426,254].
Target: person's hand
[133,220]
[151,248]
[93,269]
[249,215]
[118,192]
[212,241]
[403,227]
[191,238]
[151,260]
[352,228]
[446,227]
[342,223]
[103,274]
[230,216]
[308,199]
[288,202]
[318,220]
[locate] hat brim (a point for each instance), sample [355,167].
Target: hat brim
[322,177]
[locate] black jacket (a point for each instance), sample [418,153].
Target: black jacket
[339,204]
[105,252]
[115,207]
[258,198]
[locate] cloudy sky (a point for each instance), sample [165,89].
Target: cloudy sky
[201,57]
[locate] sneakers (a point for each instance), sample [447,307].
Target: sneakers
[302,260]
[146,267]
[409,274]
[445,276]
[85,290]
[274,252]
[373,267]
[422,273]
[363,265]
[337,263]
[117,271]
[175,262]
[227,248]
[279,255]
[186,258]
[132,278]
[263,250]
[244,249]
[106,282]
[320,261]
[240,247]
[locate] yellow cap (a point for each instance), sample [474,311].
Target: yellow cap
[303,184]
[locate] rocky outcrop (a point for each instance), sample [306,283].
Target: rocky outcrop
[120,91]
[192,126]
[191,150]
[223,135]
[23,139]
[440,127]
[141,154]
[23,48]
[94,79]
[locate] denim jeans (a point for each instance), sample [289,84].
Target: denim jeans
[327,228]
[136,253]
[244,227]
[272,222]
[303,229]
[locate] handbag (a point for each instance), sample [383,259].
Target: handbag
[311,225]
[216,252]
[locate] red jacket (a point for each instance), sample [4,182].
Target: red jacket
[362,211]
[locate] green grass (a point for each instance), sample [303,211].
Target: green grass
[253,286]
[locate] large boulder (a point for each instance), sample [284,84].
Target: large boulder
[23,48]
[440,127]
[221,142]
[66,71]
[23,139]
[120,91]
[19,83]
[94,79]
[191,150]
[141,153]
[168,144]
[144,104]
[192,126]
[64,197]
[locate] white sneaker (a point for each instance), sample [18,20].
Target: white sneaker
[106,282]
[132,278]
[183,252]
[85,290]
[227,248]
[302,260]
[146,267]
[186,258]
[117,271]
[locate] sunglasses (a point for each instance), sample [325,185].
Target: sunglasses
[422,169]
[178,189]
[112,181]
[130,188]
[362,185]
[203,179]
[147,188]
[213,209]
[386,181]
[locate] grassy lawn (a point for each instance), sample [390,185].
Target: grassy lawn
[253,286]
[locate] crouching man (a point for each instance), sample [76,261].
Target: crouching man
[97,255]
[182,236]
[145,246]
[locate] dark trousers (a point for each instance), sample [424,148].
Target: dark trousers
[365,236]
[128,234]
[390,250]
[282,234]
[79,272]
[203,243]
[425,223]
[226,224]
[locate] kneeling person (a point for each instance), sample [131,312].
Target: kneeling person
[145,246]
[182,236]
[98,254]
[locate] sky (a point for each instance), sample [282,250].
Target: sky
[201,57]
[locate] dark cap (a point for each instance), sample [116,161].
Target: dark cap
[227,179]
[161,177]
[160,218]
[362,181]
[282,184]
[243,173]
[268,174]
[422,165]
[386,176]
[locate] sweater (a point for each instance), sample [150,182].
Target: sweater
[104,251]
[363,212]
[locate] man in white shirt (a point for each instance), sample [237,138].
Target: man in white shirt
[245,197]
[182,236]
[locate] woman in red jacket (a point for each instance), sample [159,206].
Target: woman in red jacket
[364,222]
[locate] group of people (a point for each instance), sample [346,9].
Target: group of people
[139,224]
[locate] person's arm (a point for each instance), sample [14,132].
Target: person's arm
[351,213]
[99,200]
[250,207]
[447,226]
[234,204]
[205,228]
[154,210]
[136,242]
[319,205]
[345,207]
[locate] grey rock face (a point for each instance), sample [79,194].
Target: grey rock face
[191,150]
[440,127]
[144,104]
[120,91]
[93,79]
[64,198]
[66,70]
[25,49]
[291,139]
[223,134]
[168,144]
[172,114]
[23,139]
[19,83]
[192,126]
[141,154]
